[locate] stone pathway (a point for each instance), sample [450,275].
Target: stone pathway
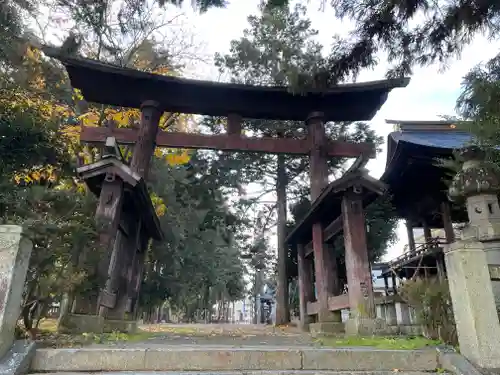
[233,335]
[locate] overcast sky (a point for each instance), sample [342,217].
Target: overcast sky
[431,94]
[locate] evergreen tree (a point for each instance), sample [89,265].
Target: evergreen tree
[409,34]
[479,104]
[278,47]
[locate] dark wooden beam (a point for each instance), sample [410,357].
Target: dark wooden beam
[333,229]
[328,233]
[225,142]
[234,124]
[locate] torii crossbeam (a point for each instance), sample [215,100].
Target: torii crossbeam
[228,142]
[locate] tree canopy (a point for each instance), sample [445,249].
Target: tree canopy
[407,34]
[479,103]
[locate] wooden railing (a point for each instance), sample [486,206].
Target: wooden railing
[336,303]
[420,250]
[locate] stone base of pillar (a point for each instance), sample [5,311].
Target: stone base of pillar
[380,311]
[328,316]
[326,329]
[305,322]
[125,326]
[403,314]
[80,323]
[358,326]
[474,307]
[85,305]
[390,314]
[411,330]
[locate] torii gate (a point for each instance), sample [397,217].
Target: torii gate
[154,94]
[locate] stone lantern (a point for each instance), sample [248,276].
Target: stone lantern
[478,183]
[473,262]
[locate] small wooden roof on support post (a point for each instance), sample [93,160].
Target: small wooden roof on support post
[327,210]
[135,188]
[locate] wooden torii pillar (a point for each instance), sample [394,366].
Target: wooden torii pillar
[359,275]
[327,280]
[144,149]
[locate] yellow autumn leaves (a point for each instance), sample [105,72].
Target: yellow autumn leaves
[173,157]
[158,204]
[37,98]
[45,173]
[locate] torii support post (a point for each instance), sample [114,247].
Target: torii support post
[140,163]
[326,280]
[411,236]
[306,291]
[146,138]
[108,216]
[427,232]
[359,276]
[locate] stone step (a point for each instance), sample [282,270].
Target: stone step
[185,358]
[262,372]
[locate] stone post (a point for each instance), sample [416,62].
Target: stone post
[390,314]
[469,274]
[15,252]
[380,311]
[403,314]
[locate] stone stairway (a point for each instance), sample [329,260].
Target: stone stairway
[226,360]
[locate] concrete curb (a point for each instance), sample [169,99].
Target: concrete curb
[17,360]
[456,363]
[289,372]
[231,359]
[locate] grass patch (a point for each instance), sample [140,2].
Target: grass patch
[48,325]
[47,336]
[116,337]
[398,342]
[181,331]
[60,340]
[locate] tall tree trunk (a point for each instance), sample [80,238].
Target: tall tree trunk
[255,297]
[282,310]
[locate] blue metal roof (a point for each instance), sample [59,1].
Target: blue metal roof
[440,139]
[402,144]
